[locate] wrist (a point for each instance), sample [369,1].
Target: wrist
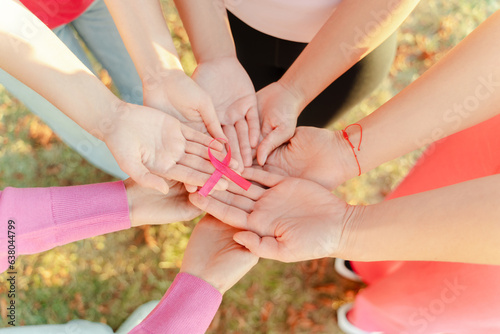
[295,92]
[346,160]
[222,288]
[223,57]
[156,77]
[131,193]
[103,114]
[353,219]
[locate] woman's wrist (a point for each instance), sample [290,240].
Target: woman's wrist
[129,189]
[295,93]
[347,163]
[221,287]
[354,219]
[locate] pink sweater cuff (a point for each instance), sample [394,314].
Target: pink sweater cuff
[188,307]
[48,217]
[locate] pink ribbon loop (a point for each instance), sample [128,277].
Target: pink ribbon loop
[222,168]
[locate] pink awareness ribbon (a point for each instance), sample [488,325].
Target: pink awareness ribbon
[222,168]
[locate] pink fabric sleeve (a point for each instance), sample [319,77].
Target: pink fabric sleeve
[48,217]
[188,307]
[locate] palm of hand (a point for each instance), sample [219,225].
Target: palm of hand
[148,136]
[305,219]
[311,154]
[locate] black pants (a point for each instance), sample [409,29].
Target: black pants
[267,58]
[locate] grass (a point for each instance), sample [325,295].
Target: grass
[105,278]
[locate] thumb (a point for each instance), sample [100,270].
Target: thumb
[272,141]
[266,247]
[140,174]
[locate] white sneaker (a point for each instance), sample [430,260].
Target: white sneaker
[137,317]
[345,272]
[344,323]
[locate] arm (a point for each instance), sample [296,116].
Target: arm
[354,29]
[165,85]
[220,73]
[297,220]
[43,218]
[460,91]
[459,223]
[212,264]
[148,145]
[37,219]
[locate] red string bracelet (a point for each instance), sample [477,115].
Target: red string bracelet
[346,137]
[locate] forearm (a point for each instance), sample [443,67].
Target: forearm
[146,36]
[459,223]
[355,29]
[188,306]
[460,91]
[44,218]
[207,25]
[35,56]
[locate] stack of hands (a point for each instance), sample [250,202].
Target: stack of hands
[288,214]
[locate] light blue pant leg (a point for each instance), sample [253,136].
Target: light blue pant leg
[68,36]
[92,149]
[72,327]
[97,29]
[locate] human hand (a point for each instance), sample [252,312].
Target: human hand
[233,95]
[177,94]
[214,256]
[319,155]
[151,146]
[279,109]
[294,220]
[150,207]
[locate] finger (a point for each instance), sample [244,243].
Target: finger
[193,177]
[245,148]
[228,214]
[197,163]
[254,192]
[237,201]
[211,120]
[201,138]
[272,141]
[202,151]
[263,177]
[265,247]
[146,179]
[253,122]
[190,188]
[230,132]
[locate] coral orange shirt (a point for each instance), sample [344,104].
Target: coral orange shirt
[55,13]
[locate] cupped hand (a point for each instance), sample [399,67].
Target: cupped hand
[279,110]
[319,155]
[294,220]
[177,94]
[235,102]
[214,256]
[151,146]
[150,207]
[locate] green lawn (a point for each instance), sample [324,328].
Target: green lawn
[105,278]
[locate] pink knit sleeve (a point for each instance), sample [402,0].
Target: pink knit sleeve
[44,218]
[188,307]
